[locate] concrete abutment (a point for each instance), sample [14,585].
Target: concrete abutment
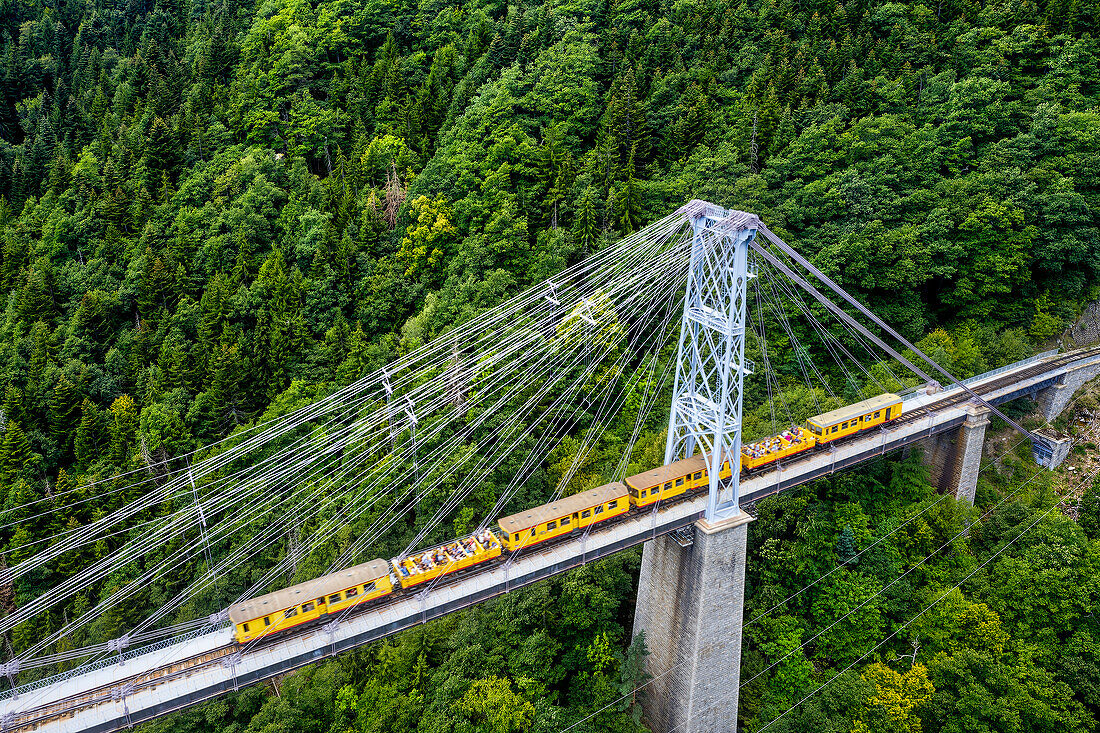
[690,605]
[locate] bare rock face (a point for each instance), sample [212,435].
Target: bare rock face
[1086,331]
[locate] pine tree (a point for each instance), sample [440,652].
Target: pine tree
[16,458]
[587,227]
[123,424]
[627,199]
[90,434]
[63,412]
[846,545]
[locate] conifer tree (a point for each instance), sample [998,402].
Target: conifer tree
[16,457]
[122,426]
[63,412]
[90,434]
[846,545]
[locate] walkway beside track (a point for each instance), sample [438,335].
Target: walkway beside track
[166,680]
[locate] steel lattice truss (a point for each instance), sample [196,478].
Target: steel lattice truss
[710,360]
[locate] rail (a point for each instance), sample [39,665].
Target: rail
[104,662]
[1010,367]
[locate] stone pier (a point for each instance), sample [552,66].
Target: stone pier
[691,597]
[954,458]
[1055,398]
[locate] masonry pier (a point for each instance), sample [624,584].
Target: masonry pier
[691,599]
[954,458]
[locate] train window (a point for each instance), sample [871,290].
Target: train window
[351,592]
[586,514]
[267,621]
[679,482]
[532,531]
[244,627]
[599,509]
[370,586]
[334,598]
[307,607]
[643,493]
[877,414]
[291,612]
[698,475]
[844,426]
[834,428]
[613,503]
[668,486]
[516,537]
[551,525]
[565,521]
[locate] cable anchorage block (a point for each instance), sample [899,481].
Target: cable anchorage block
[7,722]
[122,692]
[219,618]
[118,645]
[9,670]
[232,660]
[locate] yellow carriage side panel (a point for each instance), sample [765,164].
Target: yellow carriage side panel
[305,602]
[560,517]
[448,558]
[849,420]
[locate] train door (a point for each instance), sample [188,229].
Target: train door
[576,520]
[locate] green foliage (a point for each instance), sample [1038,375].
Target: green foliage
[211,213]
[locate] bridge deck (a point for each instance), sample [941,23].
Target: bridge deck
[202,668]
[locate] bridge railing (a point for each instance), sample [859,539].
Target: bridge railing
[1009,367]
[970,381]
[104,663]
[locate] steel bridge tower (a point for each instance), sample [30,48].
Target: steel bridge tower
[692,587]
[710,360]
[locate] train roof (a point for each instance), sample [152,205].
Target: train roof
[843,414]
[281,600]
[562,507]
[676,469]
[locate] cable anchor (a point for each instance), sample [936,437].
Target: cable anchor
[10,670]
[118,645]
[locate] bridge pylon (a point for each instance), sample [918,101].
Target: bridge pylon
[710,359]
[692,586]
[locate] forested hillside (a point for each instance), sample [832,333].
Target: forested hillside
[212,211]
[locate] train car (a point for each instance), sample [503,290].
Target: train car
[786,444]
[309,601]
[849,420]
[666,482]
[564,515]
[448,558]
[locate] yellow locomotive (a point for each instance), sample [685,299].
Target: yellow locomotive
[313,600]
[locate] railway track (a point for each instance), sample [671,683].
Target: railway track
[116,692]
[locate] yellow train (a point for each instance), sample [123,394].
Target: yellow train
[314,600]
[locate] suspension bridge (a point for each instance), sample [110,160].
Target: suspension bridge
[488,402]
